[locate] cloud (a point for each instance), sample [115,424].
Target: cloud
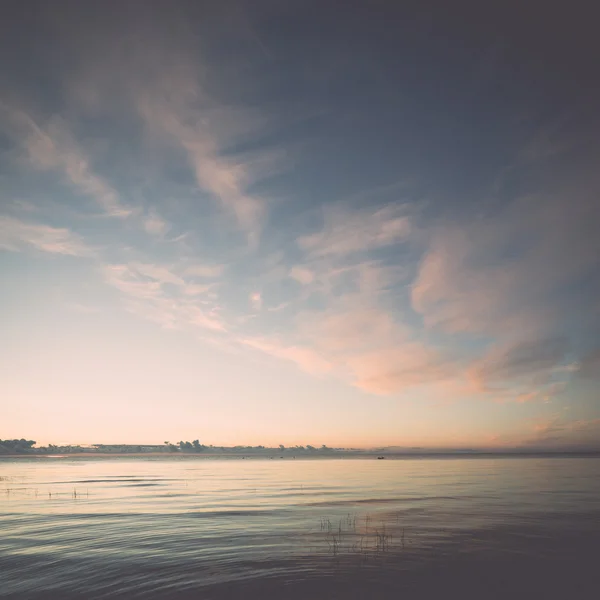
[127,279]
[349,329]
[205,271]
[155,225]
[508,273]
[520,280]
[365,346]
[17,235]
[278,307]
[531,360]
[225,181]
[558,433]
[347,322]
[157,273]
[256,300]
[542,391]
[341,282]
[306,358]
[302,275]
[346,232]
[395,369]
[52,147]
[350,325]
[178,108]
[193,289]
[379,354]
[146,292]
[166,82]
[494,286]
[455,297]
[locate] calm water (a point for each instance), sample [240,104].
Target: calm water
[340,528]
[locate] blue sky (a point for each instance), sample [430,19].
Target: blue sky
[263,224]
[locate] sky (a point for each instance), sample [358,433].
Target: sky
[287,223]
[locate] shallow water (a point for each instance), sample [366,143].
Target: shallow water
[327,528]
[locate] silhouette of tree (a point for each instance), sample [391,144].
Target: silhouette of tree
[21,446]
[197,446]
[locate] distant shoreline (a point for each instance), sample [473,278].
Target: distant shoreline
[300,456]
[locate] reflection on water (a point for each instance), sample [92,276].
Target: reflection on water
[209,528]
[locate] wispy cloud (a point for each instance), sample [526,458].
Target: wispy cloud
[379,354]
[346,232]
[181,110]
[337,317]
[559,432]
[349,329]
[506,279]
[17,235]
[362,345]
[396,369]
[155,224]
[278,307]
[167,83]
[306,358]
[156,273]
[204,271]
[532,361]
[497,279]
[504,274]
[146,293]
[52,147]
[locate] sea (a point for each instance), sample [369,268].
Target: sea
[314,528]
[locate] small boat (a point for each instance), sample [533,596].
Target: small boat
[381,458]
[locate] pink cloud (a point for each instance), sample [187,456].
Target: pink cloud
[395,369]
[364,345]
[559,433]
[306,358]
[456,297]
[348,329]
[500,275]
[17,235]
[302,275]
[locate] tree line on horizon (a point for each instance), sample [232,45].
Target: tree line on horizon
[23,446]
